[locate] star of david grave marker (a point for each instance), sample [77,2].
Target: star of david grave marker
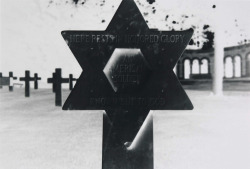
[127,71]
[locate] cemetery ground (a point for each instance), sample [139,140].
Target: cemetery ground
[34,134]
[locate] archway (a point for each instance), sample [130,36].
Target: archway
[248,65]
[195,66]
[187,69]
[228,68]
[237,66]
[204,66]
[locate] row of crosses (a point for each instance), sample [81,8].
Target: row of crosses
[56,81]
[27,80]
[7,81]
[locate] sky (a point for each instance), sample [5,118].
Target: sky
[31,39]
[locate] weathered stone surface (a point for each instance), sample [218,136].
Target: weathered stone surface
[126,70]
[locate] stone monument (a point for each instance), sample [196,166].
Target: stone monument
[27,79]
[127,71]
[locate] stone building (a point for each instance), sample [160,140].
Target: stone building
[198,64]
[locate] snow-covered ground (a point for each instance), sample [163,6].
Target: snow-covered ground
[34,134]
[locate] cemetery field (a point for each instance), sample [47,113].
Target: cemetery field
[34,134]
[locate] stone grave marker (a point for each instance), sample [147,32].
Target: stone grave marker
[36,78]
[4,81]
[12,78]
[57,81]
[128,71]
[27,80]
[54,84]
[50,80]
[71,80]
[7,81]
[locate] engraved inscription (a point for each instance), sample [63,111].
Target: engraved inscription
[102,38]
[128,101]
[126,69]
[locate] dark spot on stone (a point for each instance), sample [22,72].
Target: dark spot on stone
[214,6]
[145,13]
[103,20]
[174,22]
[154,11]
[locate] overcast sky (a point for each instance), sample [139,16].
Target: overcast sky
[30,29]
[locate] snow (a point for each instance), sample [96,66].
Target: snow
[36,134]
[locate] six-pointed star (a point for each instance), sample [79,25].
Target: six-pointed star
[128,30]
